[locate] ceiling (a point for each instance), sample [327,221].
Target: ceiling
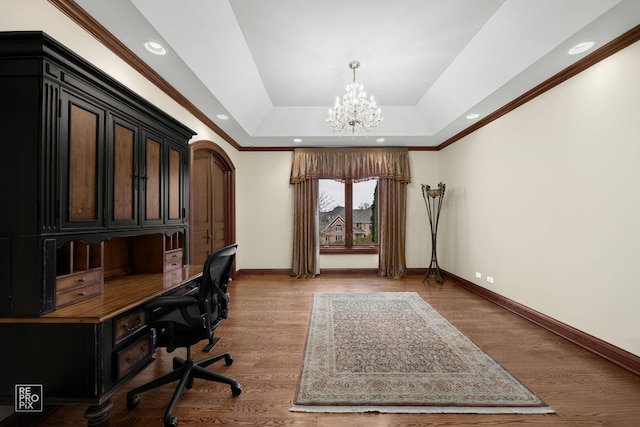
[275,67]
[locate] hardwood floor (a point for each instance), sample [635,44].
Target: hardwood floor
[266,334]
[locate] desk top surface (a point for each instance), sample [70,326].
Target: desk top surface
[120,295]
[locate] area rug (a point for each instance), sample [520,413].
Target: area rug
[392,352]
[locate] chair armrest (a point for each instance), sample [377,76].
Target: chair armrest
[170,301]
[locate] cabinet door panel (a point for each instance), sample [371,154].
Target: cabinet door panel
[82,161]
[83,164]
[122,161]
[124,194]
[153,180]
[175,183]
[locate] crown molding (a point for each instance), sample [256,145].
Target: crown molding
[598,55]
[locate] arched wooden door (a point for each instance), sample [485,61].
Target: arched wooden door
[212,212]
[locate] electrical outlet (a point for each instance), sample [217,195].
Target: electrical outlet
[489,279]
[478,275]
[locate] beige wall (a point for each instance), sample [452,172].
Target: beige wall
[264,210]
[265,213]
[546,201]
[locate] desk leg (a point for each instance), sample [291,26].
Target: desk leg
[98,415]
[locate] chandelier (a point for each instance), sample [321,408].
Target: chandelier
[356,110]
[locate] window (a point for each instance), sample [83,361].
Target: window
[348,216]
[310,165]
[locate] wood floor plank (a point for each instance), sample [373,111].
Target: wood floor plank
[266,332]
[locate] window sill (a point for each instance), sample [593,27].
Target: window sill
[348,251]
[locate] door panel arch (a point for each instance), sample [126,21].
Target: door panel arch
[212,201]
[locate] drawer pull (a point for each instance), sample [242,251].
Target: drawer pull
[126,327]
[81,294]
[143,353]
[82,279]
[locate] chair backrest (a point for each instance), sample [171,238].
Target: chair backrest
[213,299]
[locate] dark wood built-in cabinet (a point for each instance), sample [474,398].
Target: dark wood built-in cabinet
[84,160]
[95,190]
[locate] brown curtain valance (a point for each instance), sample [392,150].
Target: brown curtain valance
[350,164]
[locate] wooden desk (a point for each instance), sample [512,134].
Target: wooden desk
[84,353]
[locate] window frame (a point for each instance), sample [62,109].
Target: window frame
[349,247]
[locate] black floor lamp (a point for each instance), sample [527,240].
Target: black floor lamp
[433,200]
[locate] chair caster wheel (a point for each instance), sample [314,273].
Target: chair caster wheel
[132,402]
[170,422]
[236,390]
[228,360]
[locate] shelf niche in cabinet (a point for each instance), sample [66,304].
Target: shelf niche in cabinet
[80,273]
[157,253]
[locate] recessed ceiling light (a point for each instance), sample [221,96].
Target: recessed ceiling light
[581,47]
[297,139]
[380,140]
[222,117]
[155,48]
[473,116]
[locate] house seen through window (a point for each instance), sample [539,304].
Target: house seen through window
[348,216]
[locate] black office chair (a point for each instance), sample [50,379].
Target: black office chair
[182,321]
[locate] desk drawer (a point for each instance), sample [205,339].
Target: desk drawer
[173,255]
[132,356]
[80,293]
[173,260]
[78,279]
[129,323]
